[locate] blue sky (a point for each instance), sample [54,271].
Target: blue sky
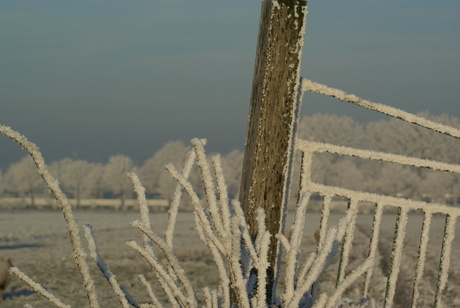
[90,79]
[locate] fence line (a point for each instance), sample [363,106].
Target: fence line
[402,205]
[308,85]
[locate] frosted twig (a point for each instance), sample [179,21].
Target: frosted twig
[308,85]
[211,298]
[103,267]
[321,301]
[306,266]
[174,208]
[209,188]
[294,247]
[315,270]
[148,287]
[172,261]
[321,260]
[244,229]
[215,298]
[145,216]
[239,283]
[223,276]
[223,193]
[284,242]
[167,281]
[37,288]
[196,202]
[355,274]
[262,265]
[143,207]
[207,297]
[347,242]
[66,208]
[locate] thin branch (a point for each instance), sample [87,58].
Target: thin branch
[38,288]
[103,267]
[66,208]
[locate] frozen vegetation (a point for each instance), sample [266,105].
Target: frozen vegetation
[389,245]
[357,260]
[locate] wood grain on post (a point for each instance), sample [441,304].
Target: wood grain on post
[272,116]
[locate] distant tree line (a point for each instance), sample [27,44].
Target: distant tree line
[81,179]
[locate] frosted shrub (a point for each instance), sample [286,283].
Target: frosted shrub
[241,261]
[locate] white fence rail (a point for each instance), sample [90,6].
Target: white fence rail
[403,206]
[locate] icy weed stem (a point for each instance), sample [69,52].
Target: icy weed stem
[148,287]
[293,250]
[103,267]
[174,208]
[167,282]
[38,288]
[209,188]
[66,208]
[177,270]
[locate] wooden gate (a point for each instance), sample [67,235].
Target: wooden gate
[403,207]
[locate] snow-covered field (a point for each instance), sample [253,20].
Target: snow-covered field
[38,244]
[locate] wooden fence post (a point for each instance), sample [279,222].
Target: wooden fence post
[272,117]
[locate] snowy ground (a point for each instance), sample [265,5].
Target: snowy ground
[38,244]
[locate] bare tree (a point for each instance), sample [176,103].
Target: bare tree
[73,174]
[94,185]
[116,176]
[23,179]
[231,165]
[153,173]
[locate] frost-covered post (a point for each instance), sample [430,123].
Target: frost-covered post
[272,117]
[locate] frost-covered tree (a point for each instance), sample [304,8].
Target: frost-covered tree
[331,128]
[94,185]
[73,174]
[231,165]
[116,176]
[22,179]
[153,173]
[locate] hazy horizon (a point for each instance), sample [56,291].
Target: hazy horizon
[91,79]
